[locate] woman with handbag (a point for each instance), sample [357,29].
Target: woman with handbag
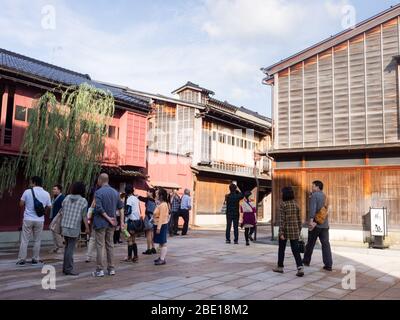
[247,218]
[289,229]
[134,222]
[73,209]
[150,203]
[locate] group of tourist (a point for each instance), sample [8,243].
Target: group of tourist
[107,215]
[109,211]
[241,211]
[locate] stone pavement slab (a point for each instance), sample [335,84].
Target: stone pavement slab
[201,266]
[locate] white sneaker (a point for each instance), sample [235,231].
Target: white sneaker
[111,272]
[98,273]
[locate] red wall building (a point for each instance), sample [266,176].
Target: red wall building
[22,80]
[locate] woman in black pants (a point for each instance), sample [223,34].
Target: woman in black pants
[289,229]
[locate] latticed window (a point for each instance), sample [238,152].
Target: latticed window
[185,128]
[163,129]
[206,141]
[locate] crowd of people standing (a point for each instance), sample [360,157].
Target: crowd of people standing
[109,215]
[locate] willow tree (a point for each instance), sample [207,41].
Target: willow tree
[65,140]
[8,172]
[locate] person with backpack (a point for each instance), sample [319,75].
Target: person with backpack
[247,219]
[318,228]
[36,202]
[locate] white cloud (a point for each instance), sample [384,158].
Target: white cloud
[248,19]
[240,93]
[227,41]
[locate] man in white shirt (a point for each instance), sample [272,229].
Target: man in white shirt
[32,223]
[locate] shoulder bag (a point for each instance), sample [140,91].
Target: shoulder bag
[39,208]
[55,225]
[321,215]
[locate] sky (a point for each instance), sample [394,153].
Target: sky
[159,45]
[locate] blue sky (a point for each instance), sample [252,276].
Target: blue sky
[157,46]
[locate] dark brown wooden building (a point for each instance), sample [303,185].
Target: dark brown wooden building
[336,119]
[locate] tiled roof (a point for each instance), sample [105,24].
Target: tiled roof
[196,86]
[31,67]
[255,114]
[234,109]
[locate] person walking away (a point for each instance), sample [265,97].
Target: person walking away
[32,223]
[91,249]
[132,213]
[232,212]
[318,200]
[150,203]
[289,229]
[247,218]
[186,206]
[175,208]
[74,209]
[104,222]
[58,198]
[161,216]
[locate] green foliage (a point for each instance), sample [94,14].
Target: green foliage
[8,174]
[64,141]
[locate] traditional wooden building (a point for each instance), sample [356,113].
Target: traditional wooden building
[336,119]
[22,80]
[198,142]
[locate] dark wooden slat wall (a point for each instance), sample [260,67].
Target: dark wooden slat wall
[351,192]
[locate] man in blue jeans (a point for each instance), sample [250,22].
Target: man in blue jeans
[321,231]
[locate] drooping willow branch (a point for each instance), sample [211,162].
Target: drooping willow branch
[65,139]
[8,172]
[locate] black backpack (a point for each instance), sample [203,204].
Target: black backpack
[39,208]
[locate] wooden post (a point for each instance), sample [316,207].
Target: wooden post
[303,185]
[273,201]
[256,156]
[367,183]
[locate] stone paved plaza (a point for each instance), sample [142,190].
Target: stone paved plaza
[201,266]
